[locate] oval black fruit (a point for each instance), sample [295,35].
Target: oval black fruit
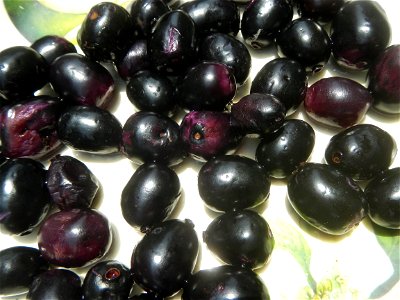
[241,238]
[361,151]
[283,78]
[233,182]
[106,32]
[136,59]
[90,129]
[152,137]
[56,284]
[108,279]
[283,151]
[53,46]
[383,197]
[24,198]
[224,281]
[326,198]
[360,31]
[262,21]
[150,195]
[165,257]
[384,81]
[19,266]
[226,49]
[172,44]
[322,11]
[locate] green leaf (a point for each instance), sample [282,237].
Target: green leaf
[290,239]
[389,240]
[34,20]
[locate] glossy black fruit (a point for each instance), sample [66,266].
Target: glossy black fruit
[108,279]
[284,150]
[151,91]
[90,129]
[262,21]
[213,16]
[19,266]
[150,195]
[29,128]
[360,32]
[326,198]
[322,11]
[70,182]
[172,44]
[106,32]
[382,194]
[259,113]
[56,284]
[53,46]
[283,78]
[361,151]
[81,81]
[135,60]
[224,281]
[24,198]
[241,238]
[152,137]
[145,13]
[225,49]
[337,101]
[74,238]
[23,71]
[215,87]
[307,42]
[165,258]
[207,134]
[384,81]
[233,182]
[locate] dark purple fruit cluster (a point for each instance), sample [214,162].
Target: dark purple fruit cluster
[183,67]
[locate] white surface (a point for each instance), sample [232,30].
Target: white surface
[357,257]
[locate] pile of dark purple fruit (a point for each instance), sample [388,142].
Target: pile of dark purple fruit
[188,59]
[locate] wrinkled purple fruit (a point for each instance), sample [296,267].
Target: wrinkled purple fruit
[384,81]
[152,137]
[259,113]
[80,81]
[206,134]
[74,238]
[29,128]
[215,87]
[70,182]
[337,101]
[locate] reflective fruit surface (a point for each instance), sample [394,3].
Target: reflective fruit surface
[53,46]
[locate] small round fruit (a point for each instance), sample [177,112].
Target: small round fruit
[56,284]
[233,182]
[136,59]
[224,281]
[337,101]
[108,279]
[150,195]
[74,238]
[283,151]
[383,199]
[19,266]
[326,198]
[322,11]
[164,259]
[384,81]
[241,238]
[361,151]
[53,46]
